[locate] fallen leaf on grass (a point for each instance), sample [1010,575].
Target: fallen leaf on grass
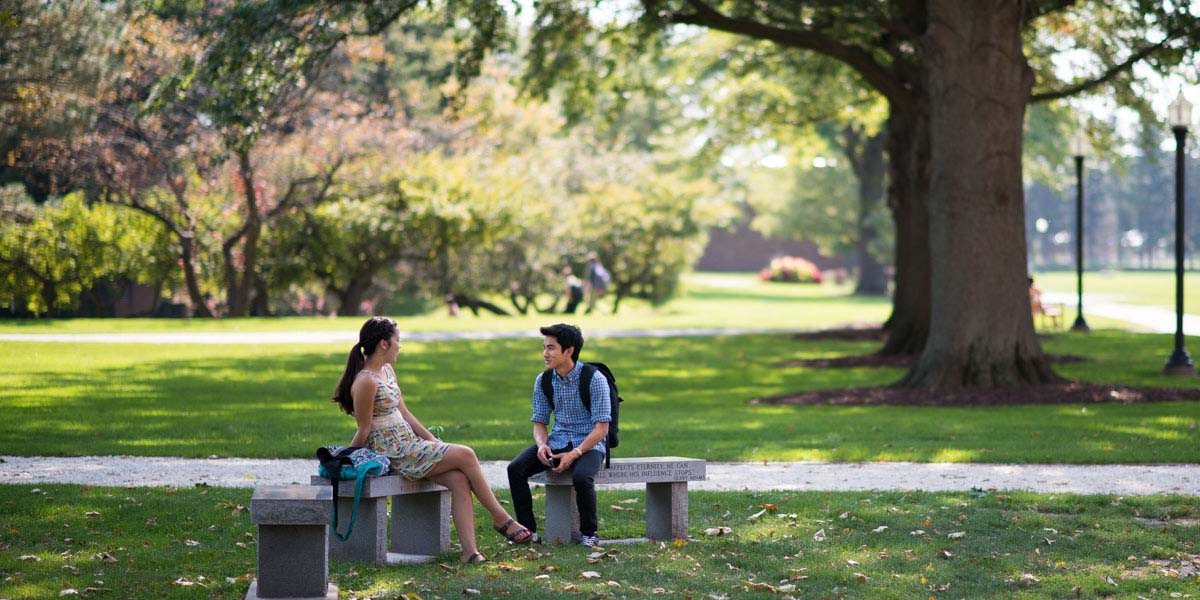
[471,592]
[589,575]
[1109,580]
[29,558]
[717,531]
[105,557]
[184,582]
[1029,578]
[548,568]
[615,507]
[611,583]
[880,529]
[659,590]
[190,543]
[629,501]
[851,562]
[862,578]
[542,576]
[756,585]
[507,568]
[946,554]
[957,535]
[819,536]
[770,507]
[96,590]
[917,532]
[755,516]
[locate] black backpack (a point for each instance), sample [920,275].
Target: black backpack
[585,393]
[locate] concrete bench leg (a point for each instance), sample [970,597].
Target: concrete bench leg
[367,542]
[667,510]
[291,562]
[421,523]
[562,515]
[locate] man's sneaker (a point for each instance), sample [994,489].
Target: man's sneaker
[590,540]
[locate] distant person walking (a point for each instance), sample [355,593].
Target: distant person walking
[368,390]
[574,291]
[596,280]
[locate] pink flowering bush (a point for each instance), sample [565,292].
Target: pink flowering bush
[791,269]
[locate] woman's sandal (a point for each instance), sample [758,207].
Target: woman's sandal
[475,559]
[514,537]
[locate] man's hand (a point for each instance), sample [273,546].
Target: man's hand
[566,459]
[544,454]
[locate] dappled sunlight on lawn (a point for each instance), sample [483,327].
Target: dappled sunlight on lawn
[954,455]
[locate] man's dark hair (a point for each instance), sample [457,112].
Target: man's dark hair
[567,336]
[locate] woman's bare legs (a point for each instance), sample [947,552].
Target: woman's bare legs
[462,458]
[461,508]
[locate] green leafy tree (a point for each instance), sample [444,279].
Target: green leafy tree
[957,81]
[51,254]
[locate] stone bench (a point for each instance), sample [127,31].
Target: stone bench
[293,542]
[420,520]
[666,479]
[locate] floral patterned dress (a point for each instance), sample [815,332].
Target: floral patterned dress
[411,456]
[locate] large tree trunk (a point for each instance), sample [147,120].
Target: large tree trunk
[981,334]
[865,154]
[908,188]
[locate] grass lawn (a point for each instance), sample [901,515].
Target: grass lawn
[710,300]
[686,396]
[199,543]
[1150,288]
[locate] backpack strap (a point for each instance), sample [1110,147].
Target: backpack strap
[585,385]
[548,387]
[359,476]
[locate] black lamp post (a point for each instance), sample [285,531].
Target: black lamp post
[1079,147]
[1179,114]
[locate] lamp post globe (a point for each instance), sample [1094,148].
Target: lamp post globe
[1079,149]
[1179,115]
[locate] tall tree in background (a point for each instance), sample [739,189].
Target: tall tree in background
[957,80]
[752,91]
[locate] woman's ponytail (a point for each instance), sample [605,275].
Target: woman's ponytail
[375,330]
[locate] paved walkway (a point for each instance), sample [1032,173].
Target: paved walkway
[722,476]
[1153,318]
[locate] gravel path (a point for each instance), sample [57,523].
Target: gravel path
[810,476]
